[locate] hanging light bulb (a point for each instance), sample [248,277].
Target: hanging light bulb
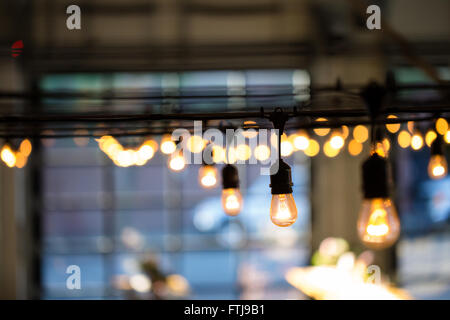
[336,141]
[430,136]
[231,196]
[301,140]
[8,156]
[378,225]
[392,127]
[207,176]
[177,161]
[167,145]
[437,167]
[417,140]
[283,211]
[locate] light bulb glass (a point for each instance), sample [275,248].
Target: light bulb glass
[416,141]
[392,127]
[207,176]
[262,152]
[177,162]
[378,224]
[322,131]
[283,211]
[355,148]
[231,201]
[447,136]
[8,156]
[437,167]
[167,145]
[441,126]
[429,137]
[361,133]
[301,140]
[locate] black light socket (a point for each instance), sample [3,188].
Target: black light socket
[436,147]
[230,177]
[281,181]
[375,177]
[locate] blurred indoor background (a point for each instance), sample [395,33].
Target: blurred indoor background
[127,227]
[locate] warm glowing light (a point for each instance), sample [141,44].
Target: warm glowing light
[301,140]
[286,146]
[336,142]
[378,224]
[437,167]
[360,133]
[140,283]
[329,151]
[322,131]
[417,141]
[429,137]
[231,201]
[355,148]
[392,127]
[262,152]
[177,162]
[283,211]
[447,136]
[404,139]
[21,160]
[218,154]
[195,144]
[441,126]
[382,148]
[25,147]
[8,156]
[207,176]
[231,156]
[243,152]
[250,131]
[345,132]
[313,148]
[177,285]
[147,150]
[125,158]
[167,145]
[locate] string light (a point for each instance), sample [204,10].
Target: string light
[430,136]
[329,150]
[262,152]
[322,131]
[207,176]
[378,225]
[336,141]
[8,156]
[177,161]
[231,196]
[167,145]
[25,147]
[286,146]
[301,140]
[417,140]
[437,166]
[404,139]
[447,136]
[441,126]
[313,148]
[283,211]
[355,148]
[360,133]
[392,127]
